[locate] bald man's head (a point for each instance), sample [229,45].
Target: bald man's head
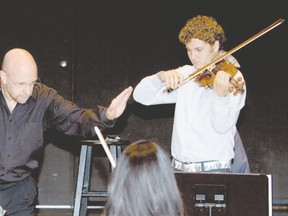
[17,61]
[18,75]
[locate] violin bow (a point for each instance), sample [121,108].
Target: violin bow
[197,72]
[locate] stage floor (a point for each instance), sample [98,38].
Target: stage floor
[98,213]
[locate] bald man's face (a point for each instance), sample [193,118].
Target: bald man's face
[19,76]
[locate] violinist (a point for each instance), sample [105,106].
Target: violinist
[204,128]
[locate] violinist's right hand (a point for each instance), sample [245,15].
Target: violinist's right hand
[172,78]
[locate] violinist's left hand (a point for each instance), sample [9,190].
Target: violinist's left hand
[222,85]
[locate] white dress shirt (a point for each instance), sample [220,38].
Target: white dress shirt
[204,124]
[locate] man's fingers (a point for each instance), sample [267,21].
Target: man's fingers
[125,94]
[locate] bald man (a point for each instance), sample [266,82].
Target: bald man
[27,109]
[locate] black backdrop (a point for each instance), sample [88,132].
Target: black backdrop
[110,45]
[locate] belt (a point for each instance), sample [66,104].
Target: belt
[201,166]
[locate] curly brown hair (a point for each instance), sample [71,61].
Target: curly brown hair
[204,28]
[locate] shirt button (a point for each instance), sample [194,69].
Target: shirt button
[9,138]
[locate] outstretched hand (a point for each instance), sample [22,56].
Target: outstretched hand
[118,104]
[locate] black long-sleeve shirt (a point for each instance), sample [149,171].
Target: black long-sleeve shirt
[21,132]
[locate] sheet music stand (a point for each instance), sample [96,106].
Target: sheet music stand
[225,194]
[82,193]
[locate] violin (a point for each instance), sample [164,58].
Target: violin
[206,77]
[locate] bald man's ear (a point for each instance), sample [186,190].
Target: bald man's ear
[3,76]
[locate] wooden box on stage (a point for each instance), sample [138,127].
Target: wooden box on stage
[219,194]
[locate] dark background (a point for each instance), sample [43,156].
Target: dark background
[110,45]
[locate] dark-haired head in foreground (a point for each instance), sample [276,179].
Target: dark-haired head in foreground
[143,183]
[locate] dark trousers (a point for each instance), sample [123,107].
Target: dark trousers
[240,162]
[18,198]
